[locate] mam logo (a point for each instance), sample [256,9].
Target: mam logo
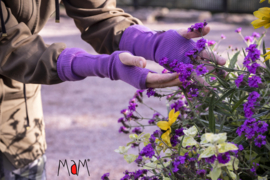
[73,169]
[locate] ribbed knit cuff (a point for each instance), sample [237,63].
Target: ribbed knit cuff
[64,64]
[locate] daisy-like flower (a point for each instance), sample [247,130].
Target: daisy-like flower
[166,126]
[263,15]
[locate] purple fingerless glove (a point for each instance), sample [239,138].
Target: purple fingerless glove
[75,64]
[141,41]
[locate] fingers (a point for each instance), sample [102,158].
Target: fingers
[130,60]
[162,80]
[193,34]
[213,56]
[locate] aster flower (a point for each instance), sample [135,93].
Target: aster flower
[120,120]
[105,176]
[254,81]
[201,70]
[223,36]
[185,84]
[260,140]
[174,140]
[249,38]
[157,133]
[124,111]
[238,30]
[179,132]
[163,61]
[150,92]
[239,80]
[139,159]
[179,160]
[123,130]
[200,44]
[166,126]
[177,105]
[253,96]
[224,158]
[174,63]
[192,53]
[256,35]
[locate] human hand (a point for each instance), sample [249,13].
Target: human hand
[153,80]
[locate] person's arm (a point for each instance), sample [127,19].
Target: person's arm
[100,22]
[25,57]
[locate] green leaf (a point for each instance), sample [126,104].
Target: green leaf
[234,60]
[226,94]
[236,105]
[244,52]
[130,158]
[238,139]
[211,117]
[210,151]
[263,178]
[264,52]
[215,173]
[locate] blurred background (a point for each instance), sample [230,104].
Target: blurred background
[81,117]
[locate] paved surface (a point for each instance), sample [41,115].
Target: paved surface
[81,117]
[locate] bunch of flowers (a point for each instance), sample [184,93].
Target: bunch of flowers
[213,130]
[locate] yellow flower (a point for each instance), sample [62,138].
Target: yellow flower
[264,0]
[267,55]
[263,15]
[166,126]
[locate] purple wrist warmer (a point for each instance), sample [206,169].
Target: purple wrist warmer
[75,64]
[141,41]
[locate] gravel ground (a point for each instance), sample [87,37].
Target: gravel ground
[81,117]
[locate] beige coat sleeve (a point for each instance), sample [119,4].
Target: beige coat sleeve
[25,57]
[100,22]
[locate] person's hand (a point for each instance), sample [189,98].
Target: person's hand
[153,80]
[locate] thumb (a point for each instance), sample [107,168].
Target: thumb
[130,60]
[193,34]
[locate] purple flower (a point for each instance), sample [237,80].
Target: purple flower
[157,133]
[239,80]
[126,177]
[124,111]
[192,53]
[163,61]
[120,120]
[240,147]
[151,121]
[174,63]
[137,130]
[152,139]
[260,140]
[201,173]
[254,81]
[211,42]
[198,26]
[262,127]
[129,115]
[164,71]
[201,70]
[174,140]
[179,132]
[253,53]
[177,105]
[150,92]
[132,106]
[253,68]
[105,176]
[139,159]
[256,35]
[179,160]
[147,151]
[123,130]
[194,92]
[249,38]
[224,158]
[156,114]
[186,84]
[210,159]
[253,96]
[249,128]
[238,30]
[223,36]
[200,44]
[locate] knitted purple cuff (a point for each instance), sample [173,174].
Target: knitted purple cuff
[76,64]
[141,41]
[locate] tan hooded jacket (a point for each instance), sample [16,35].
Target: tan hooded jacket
[25,58]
